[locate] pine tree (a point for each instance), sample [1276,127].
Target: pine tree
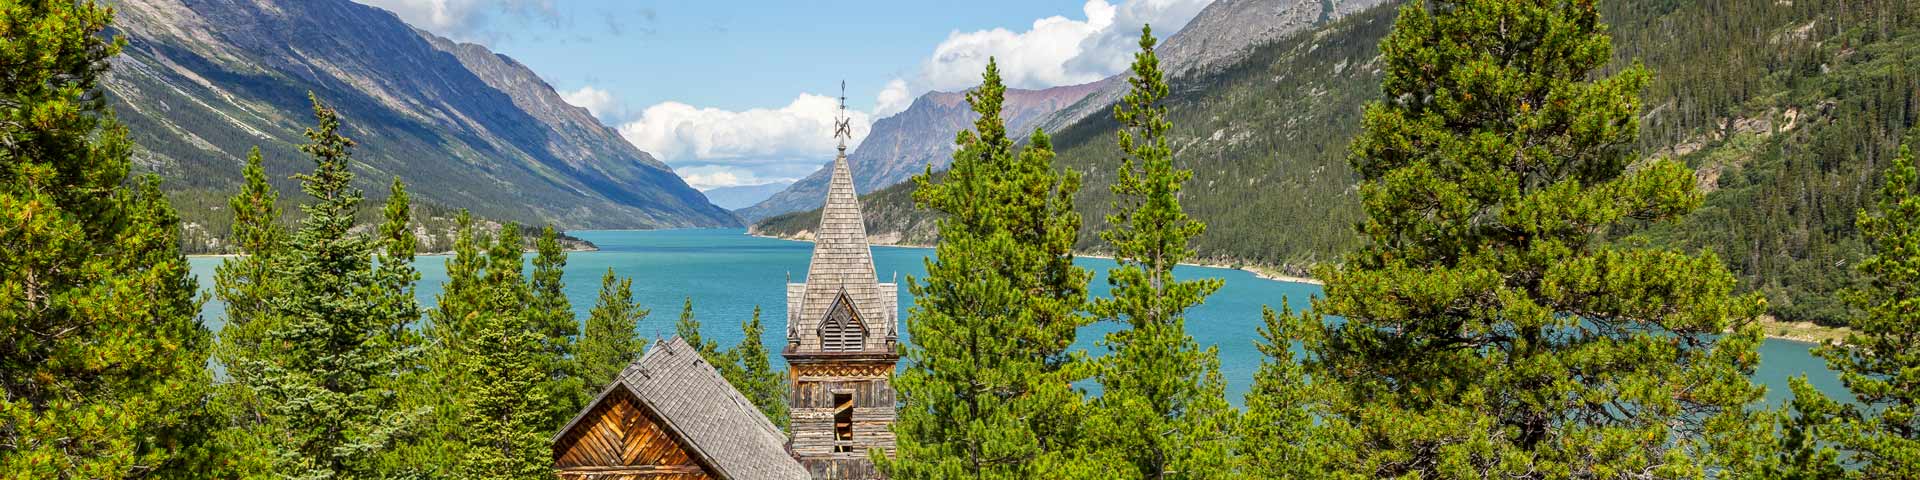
[1879,432]
[455,318]
[397,275]
[752,372]
[1488,329]
[609,341]
[332,388]
[988,391]
[688,328]
[551,316]
[1277,435]
[1162,406]
[104,368]
[245,284]
[403,332]
[503,405]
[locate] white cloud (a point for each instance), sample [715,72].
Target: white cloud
[464,20]
[893,98]
[708,177]
[712,147]
[600,103]
[1054,51]
[677,132]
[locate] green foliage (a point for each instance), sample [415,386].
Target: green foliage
[1880,430]
[551,316]
[504,403]
[1277,435]
[1487,329]
[688,328]
[987,391]
[751,371]
[104,368]
[1162,406]
[609,341]
[331,387]
[246,284]
[1794,108]
[441,446]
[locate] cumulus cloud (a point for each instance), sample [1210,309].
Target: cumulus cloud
[893,98]
[600,103]
[465,20]
[725,147]
[1052,52]
[675,131]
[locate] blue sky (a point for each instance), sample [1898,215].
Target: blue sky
[733,93]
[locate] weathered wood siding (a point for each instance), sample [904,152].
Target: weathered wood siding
[812,410]
[618,440]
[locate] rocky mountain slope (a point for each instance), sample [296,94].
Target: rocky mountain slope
[1221,35]
[904,144]
[201,81]
[1788,112]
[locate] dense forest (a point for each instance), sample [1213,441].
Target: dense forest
[206,224]
[1507,314]
[1790,110]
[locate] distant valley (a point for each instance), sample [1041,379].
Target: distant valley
[743,196]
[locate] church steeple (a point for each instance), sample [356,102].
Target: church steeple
[841,338]
[842,266]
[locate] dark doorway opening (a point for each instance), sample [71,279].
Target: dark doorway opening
[843,422]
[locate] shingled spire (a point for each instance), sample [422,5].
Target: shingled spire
[842,265]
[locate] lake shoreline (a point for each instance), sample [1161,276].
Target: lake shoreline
[1799,332]
[1802,332]
[1257,271]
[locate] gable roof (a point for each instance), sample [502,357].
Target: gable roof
[704,412]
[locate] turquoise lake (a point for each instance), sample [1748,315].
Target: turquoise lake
[727,273]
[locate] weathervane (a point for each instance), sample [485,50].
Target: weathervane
[842,127]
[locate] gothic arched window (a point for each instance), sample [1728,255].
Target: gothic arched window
[841,331]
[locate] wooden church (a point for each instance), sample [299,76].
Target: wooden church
[672,416]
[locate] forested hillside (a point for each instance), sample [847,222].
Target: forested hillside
[1789,110]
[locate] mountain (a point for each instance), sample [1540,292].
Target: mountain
[904,144]
[1221,35]
[743,196]
[202,81]
[1788,111]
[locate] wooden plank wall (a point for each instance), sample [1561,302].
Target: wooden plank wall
[812,410]
[620,440]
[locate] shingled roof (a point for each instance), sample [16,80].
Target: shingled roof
[705,413]
[842,262]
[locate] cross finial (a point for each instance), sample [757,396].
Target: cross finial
[842,127]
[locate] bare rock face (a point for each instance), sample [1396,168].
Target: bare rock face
[202,81]
[908,142]
[1220,35]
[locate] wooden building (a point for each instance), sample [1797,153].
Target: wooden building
[671,416]
[841,343]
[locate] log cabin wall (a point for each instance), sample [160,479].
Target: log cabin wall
[619,440]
